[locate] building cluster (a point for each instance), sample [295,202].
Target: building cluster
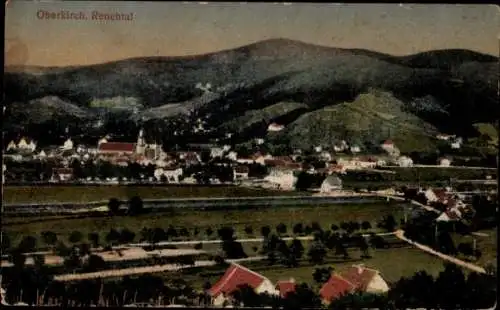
[356,278]
[173,167]
[452,204]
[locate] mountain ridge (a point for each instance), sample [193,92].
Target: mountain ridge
[222,86]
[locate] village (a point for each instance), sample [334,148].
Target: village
[280,171]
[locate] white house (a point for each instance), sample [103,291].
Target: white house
[275,127]
[24,146]
[11,146]
[236,276]
[326,156]
[171,174]
[456,143]
[318,148]
[390,148]
[355,149]
[259,141]
[331,183]
[232,155]
[445,162]
[282,178]
[68,145]
[240,173]
[405,161]
[216,152]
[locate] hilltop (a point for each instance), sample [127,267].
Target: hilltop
[278,79]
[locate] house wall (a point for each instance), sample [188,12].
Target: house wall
[267,287]
[377,285]
[218,300]
[429,194]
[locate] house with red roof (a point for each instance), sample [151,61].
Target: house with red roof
[355,278]
[284,287]
[235,277]
[116,148]
[335,288]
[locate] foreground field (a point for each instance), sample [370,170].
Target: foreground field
[238,219]
[33,194]
[486,243]
[393,264]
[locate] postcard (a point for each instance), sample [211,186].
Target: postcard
[230,154]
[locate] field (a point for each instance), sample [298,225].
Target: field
[486,244]
[442,174]
[393,264]
[33,194]
[238,219]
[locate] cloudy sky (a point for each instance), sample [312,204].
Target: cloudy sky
[178,28]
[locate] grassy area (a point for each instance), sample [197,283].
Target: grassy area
[238,219]
[32,194]
[393,264]
[486,244]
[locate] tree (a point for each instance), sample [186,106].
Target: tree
[265,231]
[317,253]
[304,181]
[296,251]
[298,229]
[334,227]
[27,244]
[321,275]
[135,205]
[114,205]
[388,223]
[75,237]
[366,225]
[94,263]
[281,229]
[126,236]
[6,244]
[49,238]
[93,237]
[209,231]
[302,298]
[363,246]
[112,237]
[249,230]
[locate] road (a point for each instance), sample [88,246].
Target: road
[142,270]
[454,260]
[193,242]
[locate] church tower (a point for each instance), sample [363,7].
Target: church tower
[141,144]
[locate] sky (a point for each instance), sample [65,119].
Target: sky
[180,28]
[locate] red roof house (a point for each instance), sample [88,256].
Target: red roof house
[335,287]
[354,278]
[235,277]
[285,287]
[116,147]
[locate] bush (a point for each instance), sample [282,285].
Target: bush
[198,246]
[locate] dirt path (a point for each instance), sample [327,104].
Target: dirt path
[454,260]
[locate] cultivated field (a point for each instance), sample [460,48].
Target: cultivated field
[238,219]
[81,194]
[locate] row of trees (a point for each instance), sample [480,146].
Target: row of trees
[154,235]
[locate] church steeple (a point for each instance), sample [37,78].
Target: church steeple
[141,144]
